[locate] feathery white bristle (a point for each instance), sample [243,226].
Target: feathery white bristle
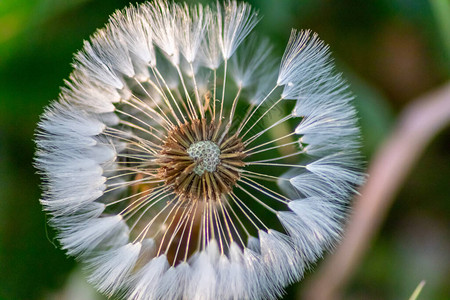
[191,24]
[238,274]
[178,276]
[321,120]
[147,280]
[231,273]
[112,51]
[253,244]
[85,92]
[305,64]
[109,119]
[88,62]
[77,168]
[210,54]
[108,270]
[101,153]
[83,184]
[311,228]
[77,239]
[281,256]
[213,251]
[190,69]
[329,93]
[258,282]
[324,144]
[164,28]
[59,205]
[202,284]
[65,197]
[235,22]
[88,212]
[267,80]
[251,62]
[148,250]
[339,170]
[62,119]
[136,32]
[311,185]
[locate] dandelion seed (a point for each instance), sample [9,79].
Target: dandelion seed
[180,163]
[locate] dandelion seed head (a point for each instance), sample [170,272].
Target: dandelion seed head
[174,165]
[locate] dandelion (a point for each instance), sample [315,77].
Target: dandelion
[183,161]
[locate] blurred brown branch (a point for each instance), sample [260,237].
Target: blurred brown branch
[417,125]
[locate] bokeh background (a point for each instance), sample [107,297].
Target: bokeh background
[391,51]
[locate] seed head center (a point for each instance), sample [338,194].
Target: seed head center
[206,156]
[200,162]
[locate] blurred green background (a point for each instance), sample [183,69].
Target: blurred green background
[390,50]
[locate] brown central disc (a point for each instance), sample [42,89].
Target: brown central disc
[197,164]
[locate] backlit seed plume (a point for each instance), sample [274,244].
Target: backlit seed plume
[183,160]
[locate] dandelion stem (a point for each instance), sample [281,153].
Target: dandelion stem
[233,109]
[254,111]
[265,190]
[238,219]
[269,142]
[253,138]
[197,96]
[280,157]
[166,118]
[271,148]
[186,93]
[276,165]
[223,88]
[214,95]
[239,202]
[166,99]
[186,252]
[262,116]
[258,200]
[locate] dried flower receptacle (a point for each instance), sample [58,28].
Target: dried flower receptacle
[196,165]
